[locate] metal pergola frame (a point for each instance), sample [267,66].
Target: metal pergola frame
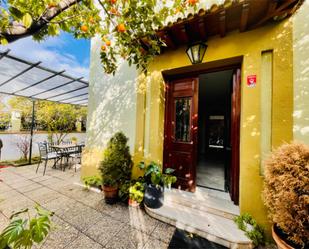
[71,80]
[34,97]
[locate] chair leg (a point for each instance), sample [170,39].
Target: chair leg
[37,168]
[45,167]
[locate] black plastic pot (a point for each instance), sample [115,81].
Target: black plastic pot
[154,196]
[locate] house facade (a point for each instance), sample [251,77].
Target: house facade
[216,121]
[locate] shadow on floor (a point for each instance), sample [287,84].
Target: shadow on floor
[183,240]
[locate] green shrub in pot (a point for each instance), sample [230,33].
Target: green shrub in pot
[136,194]
[155,181]
[116,166]
[286,194]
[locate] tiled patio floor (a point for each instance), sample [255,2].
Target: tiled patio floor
[82,219]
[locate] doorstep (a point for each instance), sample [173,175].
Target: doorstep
[205,213]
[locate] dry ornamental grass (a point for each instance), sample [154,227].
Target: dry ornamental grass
[286,191]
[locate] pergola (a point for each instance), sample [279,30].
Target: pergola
[19,77]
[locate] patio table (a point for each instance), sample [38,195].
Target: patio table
[64,150]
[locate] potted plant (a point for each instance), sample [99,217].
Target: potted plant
[155,182]
[136,194]
[92,181]
[286,192]
[168,179]
[115,167]
[123,192]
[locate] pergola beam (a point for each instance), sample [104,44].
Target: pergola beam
[3,54]
[79,101]
[19,74]
[60,94]
[39,82]
[83,94]
[56,87]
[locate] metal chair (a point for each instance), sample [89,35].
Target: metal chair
[77,155]
[45,155]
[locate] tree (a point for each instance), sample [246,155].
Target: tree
[57,119]
[22,143]
[24,105]
[127,27]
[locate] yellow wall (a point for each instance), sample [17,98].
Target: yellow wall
[301,73]
[276,37]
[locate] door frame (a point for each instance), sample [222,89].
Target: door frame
[234,63]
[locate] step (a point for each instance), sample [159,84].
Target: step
[204,201]
[212,227]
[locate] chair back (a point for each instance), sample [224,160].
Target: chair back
[43,149]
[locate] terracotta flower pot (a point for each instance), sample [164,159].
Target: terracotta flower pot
[133,203]
[281,244]
[110,194]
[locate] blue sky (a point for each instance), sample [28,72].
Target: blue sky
[59,53]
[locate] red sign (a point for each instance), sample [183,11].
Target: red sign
[251,80]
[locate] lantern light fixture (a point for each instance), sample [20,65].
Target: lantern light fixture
[196,52]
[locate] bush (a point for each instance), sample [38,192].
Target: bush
[286,191]
[117,163]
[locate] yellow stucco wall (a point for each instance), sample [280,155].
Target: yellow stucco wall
[301,73]
[276,37]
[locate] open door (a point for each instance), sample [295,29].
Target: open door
[181,124]
[235,138]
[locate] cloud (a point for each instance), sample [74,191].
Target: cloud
[51,53]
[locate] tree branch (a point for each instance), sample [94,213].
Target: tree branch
[16,31]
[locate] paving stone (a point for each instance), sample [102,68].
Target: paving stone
[42,195]
[21,184]
[31,187]
[118,211]
[128,238]
[104,230]
[4,221]
[41,178]
[61,235]
[60,205]
[141,221]
[163,232]
[155,243]
[82,242]
[4,187]
[82,217]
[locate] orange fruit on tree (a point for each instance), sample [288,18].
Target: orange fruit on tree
[113,11]
[103,47]
[108,42]
[52,5]
[113,1]
[192,2]
[84,28]
[121,28]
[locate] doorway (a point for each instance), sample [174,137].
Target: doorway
[201,130]
[214,125]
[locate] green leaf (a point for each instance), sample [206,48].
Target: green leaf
[14,230]
[53,29]
[15,12]
[39,228]
[3,41]
[27,20]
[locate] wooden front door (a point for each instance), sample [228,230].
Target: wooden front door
[181,129]
[235,138]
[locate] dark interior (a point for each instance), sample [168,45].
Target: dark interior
[214,130]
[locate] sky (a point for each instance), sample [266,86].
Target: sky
[58,53]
